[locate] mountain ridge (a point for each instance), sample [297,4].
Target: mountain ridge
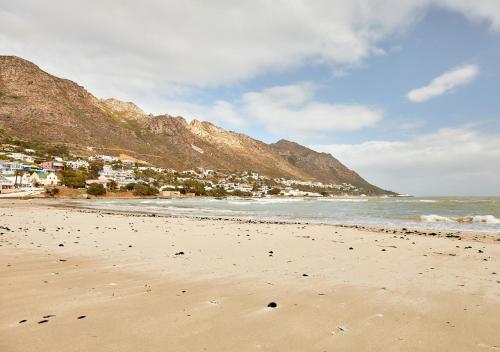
[37,106]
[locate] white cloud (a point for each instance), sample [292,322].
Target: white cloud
[444,83]
[157,47]
[477,10]
[291,110]
[450,161]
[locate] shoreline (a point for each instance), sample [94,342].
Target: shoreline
[474,235]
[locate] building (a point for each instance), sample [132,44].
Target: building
[52,165]
[77,164]
[10,167]
[51,180]
[170,194]
[105,158]
[22,157]
[6,185]
[101,180]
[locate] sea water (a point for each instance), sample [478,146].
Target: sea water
[479,214]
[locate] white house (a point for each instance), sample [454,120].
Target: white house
[5,184]
[76,164]
[21,156]
[9,168]
[51,180]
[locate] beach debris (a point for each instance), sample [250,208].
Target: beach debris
[305,275]
[179,253]
[48,316]
[272,305]
[43,321]
[22,321]
[61,245]
[350,248]
[81,317]
[480,251]
[340,330]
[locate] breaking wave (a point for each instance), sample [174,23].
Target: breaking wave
[355,200]
[485,219]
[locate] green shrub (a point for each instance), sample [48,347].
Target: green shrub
[141,189]
[96,189]
[274,191]
[73,178]
[52,191]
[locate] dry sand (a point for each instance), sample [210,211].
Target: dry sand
[141,283]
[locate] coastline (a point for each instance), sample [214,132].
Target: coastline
[473,235]
[179,283]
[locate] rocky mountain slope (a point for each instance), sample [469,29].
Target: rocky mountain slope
[37,106]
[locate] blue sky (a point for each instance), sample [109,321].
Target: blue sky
[333,75]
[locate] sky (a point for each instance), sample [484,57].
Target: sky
[407,93]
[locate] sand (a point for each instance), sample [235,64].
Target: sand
[89,281]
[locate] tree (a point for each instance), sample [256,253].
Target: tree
[274,191]
[96,189]
[73,178]
[193,186]
[112,185]
[218,192]
[17,173]
[52,191]
[94,167]
[128,187]
[141,189]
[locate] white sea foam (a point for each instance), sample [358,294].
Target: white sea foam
[427,201]
[485,219]
[435,218]
[277,200]
[355,200]
[488,219]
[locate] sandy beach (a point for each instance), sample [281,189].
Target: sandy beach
[88,281]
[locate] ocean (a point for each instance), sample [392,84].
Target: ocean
[477,214]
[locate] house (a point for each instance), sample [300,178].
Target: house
[105,158]
[52,165]
[76,164]
[22,157]
[35,179]
[51,180]
[170,194]
[6,185]
[9,168]
[101,180]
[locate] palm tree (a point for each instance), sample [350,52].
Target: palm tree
[17,173]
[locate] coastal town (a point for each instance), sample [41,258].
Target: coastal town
[26,171]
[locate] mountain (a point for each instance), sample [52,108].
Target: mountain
[38,107]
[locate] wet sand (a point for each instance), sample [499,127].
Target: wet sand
[90,281]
